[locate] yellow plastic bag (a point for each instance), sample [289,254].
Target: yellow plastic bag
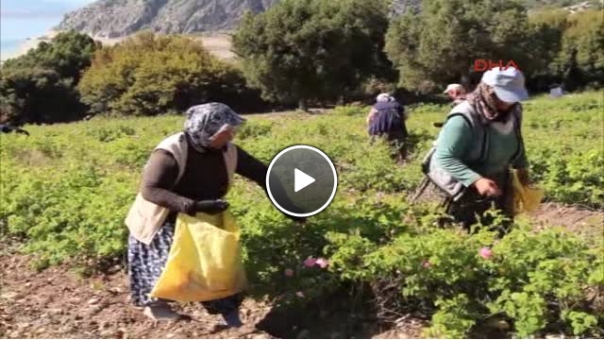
[526,199]
[205,260]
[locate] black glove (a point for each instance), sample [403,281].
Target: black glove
[211,206]
[297,219]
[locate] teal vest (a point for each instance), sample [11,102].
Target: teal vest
[476,155]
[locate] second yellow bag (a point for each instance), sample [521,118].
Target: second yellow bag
[526,199]
[205,260]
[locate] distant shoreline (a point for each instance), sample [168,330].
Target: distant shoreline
[217,43]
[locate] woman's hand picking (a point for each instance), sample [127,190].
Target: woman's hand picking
[487,187]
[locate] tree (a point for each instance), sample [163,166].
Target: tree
[545,40]
[38,96]
[152,74]
[68,53]
[39,87]
[304,50]
[441,43]
[581,58]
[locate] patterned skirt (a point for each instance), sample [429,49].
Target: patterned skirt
[146,263]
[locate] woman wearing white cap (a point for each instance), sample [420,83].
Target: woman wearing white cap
[481,141]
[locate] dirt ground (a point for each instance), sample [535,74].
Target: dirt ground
[57,303]
[577,219]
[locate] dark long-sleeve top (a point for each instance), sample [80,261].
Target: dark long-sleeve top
[205,177]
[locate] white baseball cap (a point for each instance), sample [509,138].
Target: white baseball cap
[508,84]
[453,87]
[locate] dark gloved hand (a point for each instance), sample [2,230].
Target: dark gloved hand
[211,206]
[301,220]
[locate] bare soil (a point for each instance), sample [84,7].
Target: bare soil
[58,303]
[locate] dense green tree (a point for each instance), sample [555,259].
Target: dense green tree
[581,57]
[544,43]
[305,50]
[68,53]
[154,74]
[39,86]
[441,43]
[38,96]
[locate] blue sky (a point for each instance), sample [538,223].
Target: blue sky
[20,19]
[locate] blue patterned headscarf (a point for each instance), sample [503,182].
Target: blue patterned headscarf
[204,121]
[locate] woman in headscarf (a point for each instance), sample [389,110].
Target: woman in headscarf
[188,173]
[387,118]
[489,120]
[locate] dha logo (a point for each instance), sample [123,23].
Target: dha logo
[481,65]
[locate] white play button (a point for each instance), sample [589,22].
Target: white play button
[301,180]
[295,168]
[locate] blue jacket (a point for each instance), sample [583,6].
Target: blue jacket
[389,119]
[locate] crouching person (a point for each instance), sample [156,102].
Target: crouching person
[187,173]
[480,142]
[387,119]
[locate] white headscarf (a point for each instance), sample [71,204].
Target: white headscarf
[384,97]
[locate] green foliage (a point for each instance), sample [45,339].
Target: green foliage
[305,50]
[439,44]
[568,48]
[39,87]
[532,280]
[67,188]
[68,53]
[149,75]
[546,30]
[581,60]
[38,95]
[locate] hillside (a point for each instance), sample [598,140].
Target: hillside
[116,19]
[119,18]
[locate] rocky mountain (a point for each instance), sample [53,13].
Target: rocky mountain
[119,18]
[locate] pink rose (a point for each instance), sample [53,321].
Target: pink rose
[300,294]
[323,263]
[310,262]
[485,253]
[289,273]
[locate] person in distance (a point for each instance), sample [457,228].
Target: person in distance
[387,119]
[481,141]
[456,92]
[189,172]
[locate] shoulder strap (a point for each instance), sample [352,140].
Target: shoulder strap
[517,113]
[479,150]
